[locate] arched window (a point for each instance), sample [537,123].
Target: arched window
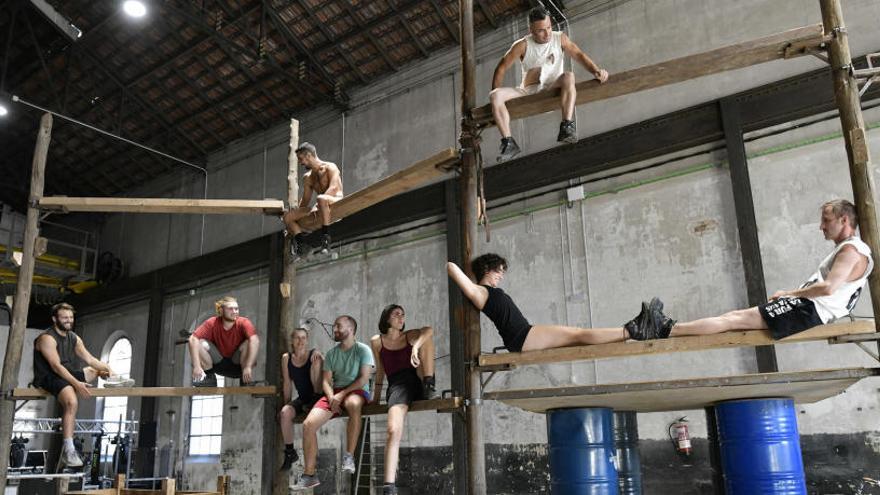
[115,408]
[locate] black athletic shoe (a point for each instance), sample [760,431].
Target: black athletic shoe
[298,246]
[389,489]
[509,149]
[210,380]
[325,243]
[567,132]
[290,457]
[430,388]
[648,324]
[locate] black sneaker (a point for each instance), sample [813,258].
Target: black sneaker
[290,457]
[325,243]
[509,149]
[567,132]
[389,489]
[649,323]
[210,380]
[430,388]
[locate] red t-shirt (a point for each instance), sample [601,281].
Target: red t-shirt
[226,341]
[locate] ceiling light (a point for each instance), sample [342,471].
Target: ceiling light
[134,8]
[3,111]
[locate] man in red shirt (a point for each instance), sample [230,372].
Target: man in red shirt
[225,345]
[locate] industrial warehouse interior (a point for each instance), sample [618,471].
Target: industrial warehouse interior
[267,247]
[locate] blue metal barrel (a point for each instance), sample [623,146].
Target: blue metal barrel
[626,441]
[760,447]
[582,452]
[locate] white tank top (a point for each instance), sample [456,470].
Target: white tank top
[843,300]
[548,57]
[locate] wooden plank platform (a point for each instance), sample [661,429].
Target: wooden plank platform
[437,405]
[37,393]
[64,204]
[414,176]
[675,395]
[676,344]
[787,44]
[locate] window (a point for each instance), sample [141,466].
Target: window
[119,360]
[206,423]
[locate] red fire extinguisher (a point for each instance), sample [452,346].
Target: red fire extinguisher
[678,433]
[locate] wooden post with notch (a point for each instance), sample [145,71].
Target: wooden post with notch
[288,294]
[846,94]
[12,361]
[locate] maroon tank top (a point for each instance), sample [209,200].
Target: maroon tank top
[395,361]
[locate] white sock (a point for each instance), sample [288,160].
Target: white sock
[68,445]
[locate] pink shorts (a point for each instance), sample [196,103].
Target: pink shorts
[324,403]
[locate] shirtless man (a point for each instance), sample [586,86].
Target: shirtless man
[541,54]
[323,178]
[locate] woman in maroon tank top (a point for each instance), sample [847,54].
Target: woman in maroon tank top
[404,357]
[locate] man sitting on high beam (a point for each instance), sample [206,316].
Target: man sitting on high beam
[541,54]
[57,371]
[323,178]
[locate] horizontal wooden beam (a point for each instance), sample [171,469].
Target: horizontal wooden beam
[787,44]
[66,204]
[416,175]
[676,344]
[694,393]
[437,405]
[37,393]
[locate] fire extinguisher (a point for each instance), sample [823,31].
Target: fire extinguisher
[678,434]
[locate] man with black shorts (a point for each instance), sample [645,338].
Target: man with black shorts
[830,293]
[57,353]
[302,368]
[226,345]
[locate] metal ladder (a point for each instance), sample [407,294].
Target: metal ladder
[369,458]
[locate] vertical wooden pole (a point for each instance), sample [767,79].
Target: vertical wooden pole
[469,316]
[287,291]
[22,296]
[846,94]
[222,483]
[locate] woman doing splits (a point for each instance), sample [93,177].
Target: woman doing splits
[520,335]
[400,355]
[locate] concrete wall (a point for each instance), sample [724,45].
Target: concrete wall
[588,265]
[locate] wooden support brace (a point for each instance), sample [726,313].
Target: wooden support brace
[787,44]
[675,344]
[256,391]
[66,204]
[690,393]
[407,179]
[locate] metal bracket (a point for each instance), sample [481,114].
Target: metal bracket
[820,54]
[836,31]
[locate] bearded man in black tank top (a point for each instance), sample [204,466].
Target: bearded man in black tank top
[57,355]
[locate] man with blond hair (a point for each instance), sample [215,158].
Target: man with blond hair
[225,345]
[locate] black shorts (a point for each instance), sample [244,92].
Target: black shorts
[304,406]
[789,315]
[54,384]
[514,338]
[226,367]
[404,387]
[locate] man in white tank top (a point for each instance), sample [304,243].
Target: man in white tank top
[830,293]
[541,54]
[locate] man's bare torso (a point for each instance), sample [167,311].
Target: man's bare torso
[320,179]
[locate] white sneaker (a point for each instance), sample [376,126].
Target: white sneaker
[69,458]
[116,381]
[348,463]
